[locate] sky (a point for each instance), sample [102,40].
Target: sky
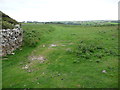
[60,10]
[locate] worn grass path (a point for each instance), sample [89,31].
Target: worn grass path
[58,69]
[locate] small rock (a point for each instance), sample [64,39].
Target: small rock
[43,45]
[20,49]
[53,45]
[26,67]
[104,71]
[41,58]
[29,71]
[12,53]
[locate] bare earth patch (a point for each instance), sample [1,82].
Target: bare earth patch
[53,45]
[27,68]
[56,45]
[39,58]
[33,60]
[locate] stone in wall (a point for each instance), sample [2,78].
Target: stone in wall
[11,39]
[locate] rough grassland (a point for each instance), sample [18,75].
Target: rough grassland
[62,65]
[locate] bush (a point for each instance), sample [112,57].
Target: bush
[89,50]
[30,38]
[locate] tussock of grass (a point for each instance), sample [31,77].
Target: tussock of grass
[87,51]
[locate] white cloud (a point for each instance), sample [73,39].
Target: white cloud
[55,10]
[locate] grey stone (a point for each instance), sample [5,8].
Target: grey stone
[11,40]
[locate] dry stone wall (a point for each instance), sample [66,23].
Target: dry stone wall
[11,40]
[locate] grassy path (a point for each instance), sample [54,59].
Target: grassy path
[52,64]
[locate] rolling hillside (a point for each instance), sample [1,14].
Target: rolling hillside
[7,21]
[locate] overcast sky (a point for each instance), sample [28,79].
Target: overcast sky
[60,10]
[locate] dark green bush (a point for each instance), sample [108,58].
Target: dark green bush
[30,38]
[89,50]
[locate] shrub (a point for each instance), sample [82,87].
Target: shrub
[89,50]
[30,38]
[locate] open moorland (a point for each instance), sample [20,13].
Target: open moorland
[64,56]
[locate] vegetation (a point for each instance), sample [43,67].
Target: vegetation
[8,22]
[7,25]
[73,56]
[90,51]
[33,33]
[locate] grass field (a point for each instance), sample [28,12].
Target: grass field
[67,56]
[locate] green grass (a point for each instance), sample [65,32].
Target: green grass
[64,67]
